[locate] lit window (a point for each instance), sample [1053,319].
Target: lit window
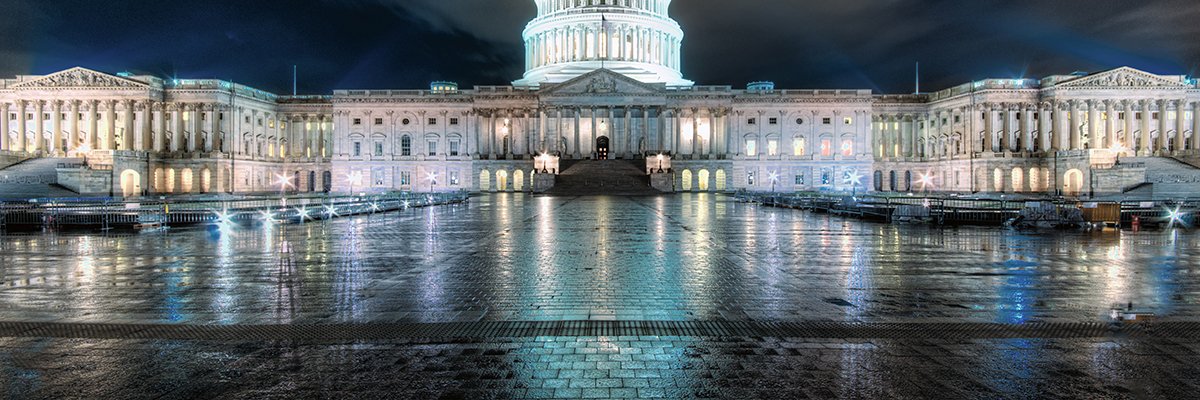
[751,148]
[848,121]
[453,178]
[826,148]
[847,147]
[750,178]
[772,147]
[798,147]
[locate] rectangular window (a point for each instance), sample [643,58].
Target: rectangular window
[848,121]
[799,179]
[750,178]
[405,146]
[454,148]
[357,121]
[357,149]
[826,121]
[751,121]
[847,147]
[378,121]
[1154,115]
[379,176]
[751,148]
[772,147]
[378,149]
[1171,115]
[826,148]
[957,119]
[432,147]
[453,178]
[260,121]
[453,121]
[405,178]
[433,121]
[773,121]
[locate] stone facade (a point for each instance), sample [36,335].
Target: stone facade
[602,81]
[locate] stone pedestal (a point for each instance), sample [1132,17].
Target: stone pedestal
[664,182]
[542,183]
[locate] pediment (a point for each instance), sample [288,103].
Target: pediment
[80,77]
[602,82]
[1124,77]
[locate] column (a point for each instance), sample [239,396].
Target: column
[1076,127]
[110,121]
[1127,110]
[577,112]
[127,126]
[1196,125]
[712,135]
[5,139]
[678,132]
[595,113]
[1044,135]
[1061,132]
[491,134]
[1163,128]
[989,131]
[39,127]
[1145,148]
[22,127]
[93,124]
[1180,125]
[146,135]
[72,130]
[1027,128]
[628,134]
[696,134]
[177,132]
[661,122]
[1110,123]
[1093,120]
[55,127]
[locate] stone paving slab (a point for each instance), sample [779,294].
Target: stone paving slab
[518,329]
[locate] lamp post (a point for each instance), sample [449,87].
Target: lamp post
[355,178]
[853,179]
[284,182]
[660,160]
[432,178]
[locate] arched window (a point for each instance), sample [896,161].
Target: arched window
[799,146]
[878,181]
[685,183]
[1018,180]
[703,180]
[720,180]
[485,181]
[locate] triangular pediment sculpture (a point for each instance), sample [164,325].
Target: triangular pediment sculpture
[80,77]
[603,81]
[1124,77]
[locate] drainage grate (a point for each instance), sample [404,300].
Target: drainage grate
[513,329]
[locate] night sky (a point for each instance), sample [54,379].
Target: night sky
[404,44]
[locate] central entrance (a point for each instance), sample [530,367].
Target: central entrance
[602,148]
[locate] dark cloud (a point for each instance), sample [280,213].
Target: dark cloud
[407,43]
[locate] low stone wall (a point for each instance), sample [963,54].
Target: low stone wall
[664,182]
[86,181]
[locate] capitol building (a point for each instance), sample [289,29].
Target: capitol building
[603,82]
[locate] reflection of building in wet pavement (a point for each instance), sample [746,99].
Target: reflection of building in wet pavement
[604,82]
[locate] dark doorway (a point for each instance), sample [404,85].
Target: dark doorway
[602,148]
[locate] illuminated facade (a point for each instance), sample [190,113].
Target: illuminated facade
[603,81]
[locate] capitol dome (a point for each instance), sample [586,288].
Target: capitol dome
[572,37]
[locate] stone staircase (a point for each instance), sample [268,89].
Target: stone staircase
[603,177]
[1169,178]
[34,178]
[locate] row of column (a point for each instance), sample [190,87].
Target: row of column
[1067,125]
[630,130]
[594,42]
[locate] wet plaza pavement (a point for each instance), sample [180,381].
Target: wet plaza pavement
[695,260]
